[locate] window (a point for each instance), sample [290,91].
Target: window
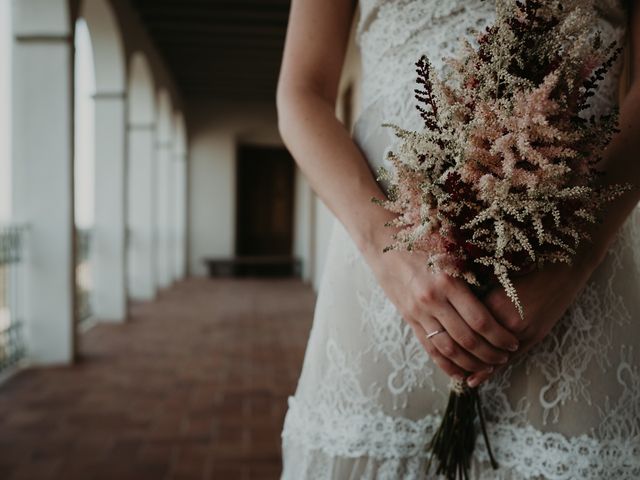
[84,127]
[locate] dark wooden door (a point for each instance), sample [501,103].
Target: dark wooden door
[265,189]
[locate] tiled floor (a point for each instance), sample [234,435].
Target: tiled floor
[194,386]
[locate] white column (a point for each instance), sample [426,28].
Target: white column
[164,186]
[180,215]
[171,213]
[42,175]
[108,236]
[141,204]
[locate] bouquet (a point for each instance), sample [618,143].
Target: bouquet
[502,179]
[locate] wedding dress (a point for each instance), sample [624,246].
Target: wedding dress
[369,398]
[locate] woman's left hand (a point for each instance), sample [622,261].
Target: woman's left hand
[545,296]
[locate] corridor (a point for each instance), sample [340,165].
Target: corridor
[193,386]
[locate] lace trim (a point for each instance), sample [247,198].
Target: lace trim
[552,456]
[357,433]
[525,450]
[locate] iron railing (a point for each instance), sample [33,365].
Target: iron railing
[83,275]
[12,346]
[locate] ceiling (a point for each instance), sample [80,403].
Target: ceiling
[228,49]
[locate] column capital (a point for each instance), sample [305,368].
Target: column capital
[39,20]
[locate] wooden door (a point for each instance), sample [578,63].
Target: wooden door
[265,192]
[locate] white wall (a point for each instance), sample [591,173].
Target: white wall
[215,130]
[304,225]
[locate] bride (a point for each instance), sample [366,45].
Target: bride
[560,389]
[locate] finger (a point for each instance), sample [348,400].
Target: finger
[451,350]
[477,378]
[505,312]
[478,317]
[446,345]
[467,339]
[446,365]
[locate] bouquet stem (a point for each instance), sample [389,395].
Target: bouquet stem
[453,443]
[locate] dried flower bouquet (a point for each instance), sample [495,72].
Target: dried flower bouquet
[503,178]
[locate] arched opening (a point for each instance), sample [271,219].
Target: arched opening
[11,328]
[84,165]
[141,176]
[5,110]
[164,154]
[107,253]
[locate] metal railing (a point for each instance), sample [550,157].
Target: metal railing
[83,275]
[12,346]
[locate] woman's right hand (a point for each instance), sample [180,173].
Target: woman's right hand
[337,171]
[472,340]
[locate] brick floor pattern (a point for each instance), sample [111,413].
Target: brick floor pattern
[193,386]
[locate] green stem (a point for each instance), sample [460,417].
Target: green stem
[483,427]
[454,441]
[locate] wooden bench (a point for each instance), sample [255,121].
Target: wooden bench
[255,266]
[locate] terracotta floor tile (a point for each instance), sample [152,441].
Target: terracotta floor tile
[193,386]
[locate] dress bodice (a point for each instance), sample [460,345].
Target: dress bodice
[394,34]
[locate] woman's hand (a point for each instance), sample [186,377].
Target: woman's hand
[340,175]
[545,296]
[472,340]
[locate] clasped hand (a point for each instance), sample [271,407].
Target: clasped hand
[477,337]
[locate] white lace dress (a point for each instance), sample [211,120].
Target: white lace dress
[369,397]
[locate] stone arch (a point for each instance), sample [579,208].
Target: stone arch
[142,100]
[108,47]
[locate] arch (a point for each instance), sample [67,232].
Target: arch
[108,48]
[84,128]
[180,134]
[142,100]
[107,253]
[165,119]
